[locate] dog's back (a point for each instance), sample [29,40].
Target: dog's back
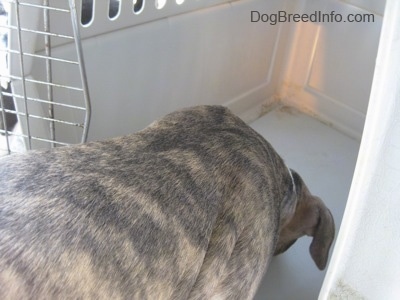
[179,210]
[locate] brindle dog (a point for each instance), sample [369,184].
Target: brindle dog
[192,207]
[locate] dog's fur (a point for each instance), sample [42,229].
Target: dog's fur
[192,207]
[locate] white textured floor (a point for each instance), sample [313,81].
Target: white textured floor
[325,158]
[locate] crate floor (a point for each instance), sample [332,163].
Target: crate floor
[325,158]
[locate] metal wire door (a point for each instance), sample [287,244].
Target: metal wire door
[41,104]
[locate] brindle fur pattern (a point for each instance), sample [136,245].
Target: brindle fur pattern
[188,208]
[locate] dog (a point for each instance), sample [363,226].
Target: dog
[192,207]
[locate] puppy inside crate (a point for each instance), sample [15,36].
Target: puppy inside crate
[192,207]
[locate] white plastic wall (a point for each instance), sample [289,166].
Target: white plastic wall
[210,56]
[141,66]
[331,64]
[366,260]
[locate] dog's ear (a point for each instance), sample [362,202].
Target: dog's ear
[323,235]
[311,218]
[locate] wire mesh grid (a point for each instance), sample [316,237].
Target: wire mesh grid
[41,104]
